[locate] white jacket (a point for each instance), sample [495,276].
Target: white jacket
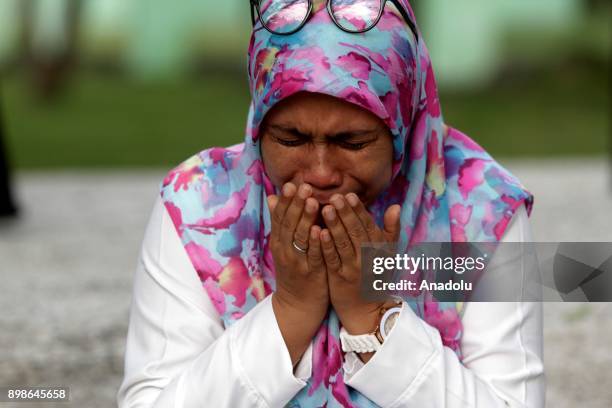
[179,355]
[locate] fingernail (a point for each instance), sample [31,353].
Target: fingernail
[314,233]
[330,213]
[338,202]
[352,199]
[325,236]
[310,207]
[288,190]
[304,192]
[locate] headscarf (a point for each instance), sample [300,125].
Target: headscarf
[449,188]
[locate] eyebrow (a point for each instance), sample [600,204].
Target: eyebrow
[340,135]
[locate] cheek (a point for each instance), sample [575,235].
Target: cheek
[279,163]
[376,174]
[374,171]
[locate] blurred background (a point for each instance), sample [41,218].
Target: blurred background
[99,98]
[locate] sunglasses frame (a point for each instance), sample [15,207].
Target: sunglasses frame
[383,3]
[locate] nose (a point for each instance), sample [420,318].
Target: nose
[321,169]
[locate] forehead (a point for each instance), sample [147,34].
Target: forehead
[310,108]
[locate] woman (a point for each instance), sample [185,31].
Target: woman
[249,274]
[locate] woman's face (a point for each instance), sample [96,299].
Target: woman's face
[333,145]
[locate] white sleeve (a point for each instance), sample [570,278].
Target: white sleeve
[502,356]
[178,353]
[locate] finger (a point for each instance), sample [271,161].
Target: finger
[370,227]
[280,208]
[315,255]
[309,215]
[342,242]
[351,221]
[272,203]
[332,260]
[392,223]
[294,213]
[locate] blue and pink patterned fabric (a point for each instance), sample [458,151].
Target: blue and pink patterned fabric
[449,188]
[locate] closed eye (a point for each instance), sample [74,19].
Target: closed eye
[292,137]
[287,142]
[301,141]
[351,146]
[355,140]
[289,136]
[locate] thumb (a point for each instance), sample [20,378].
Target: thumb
[392,223]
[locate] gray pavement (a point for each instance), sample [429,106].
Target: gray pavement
[67,266]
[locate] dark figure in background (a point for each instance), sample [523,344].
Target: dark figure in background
[50,64]
[6,203]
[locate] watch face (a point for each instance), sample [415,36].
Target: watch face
[389,321]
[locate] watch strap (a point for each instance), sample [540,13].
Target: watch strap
[370,342]
[362,343]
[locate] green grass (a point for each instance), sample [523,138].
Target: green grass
[103,121]
[110,122]
[561,113]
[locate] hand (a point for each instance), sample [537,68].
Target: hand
[301,299]
[348,226]
[300,277]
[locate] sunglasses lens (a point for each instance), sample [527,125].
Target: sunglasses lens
[356,15]
[283,16]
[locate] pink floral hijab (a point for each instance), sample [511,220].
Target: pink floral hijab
[449,188]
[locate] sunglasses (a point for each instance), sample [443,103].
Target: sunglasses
[284,17]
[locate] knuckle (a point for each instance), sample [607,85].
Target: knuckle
[303,272]
[300,238]
[283,258]
[343,245]
[351,278]
[315,259]
[354,232]
[370,227]
[334,263]
[277,217]
[279,266]
[286,222]
[331,257]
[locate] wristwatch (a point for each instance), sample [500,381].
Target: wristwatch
[366,343]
